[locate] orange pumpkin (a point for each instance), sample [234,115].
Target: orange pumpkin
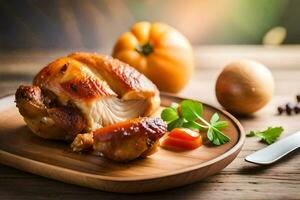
[160,52]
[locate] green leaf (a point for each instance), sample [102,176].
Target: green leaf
[214,134]
[214,118]
[191,117]
[214,121]
[210,134]
[175,124]
[222,137]
[216,141]
[219,137]
[220,124]
[270,135]
[251,134]
[191,109]
[191,125]
[169,114]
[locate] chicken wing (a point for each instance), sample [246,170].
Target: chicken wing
[123,141]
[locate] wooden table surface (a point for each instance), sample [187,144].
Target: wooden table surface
[240,180]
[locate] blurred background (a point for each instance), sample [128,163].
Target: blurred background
[93,24]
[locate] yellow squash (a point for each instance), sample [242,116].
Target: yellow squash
[160,52]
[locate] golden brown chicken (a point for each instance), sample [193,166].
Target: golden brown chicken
[97,95]
[83,92]
[123,141]
[46,117]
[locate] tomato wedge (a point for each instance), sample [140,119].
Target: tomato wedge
[181,139]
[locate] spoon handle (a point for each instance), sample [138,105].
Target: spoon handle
[275,151]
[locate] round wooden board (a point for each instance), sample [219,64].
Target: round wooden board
[21,149]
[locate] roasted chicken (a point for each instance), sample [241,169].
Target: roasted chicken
[46,117]
[84,92]
[123,141]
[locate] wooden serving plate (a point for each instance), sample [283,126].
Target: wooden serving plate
[21,149]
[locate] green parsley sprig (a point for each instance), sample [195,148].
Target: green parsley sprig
[189,115]
[269,136]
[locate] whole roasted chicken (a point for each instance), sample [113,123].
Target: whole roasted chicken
[84,92]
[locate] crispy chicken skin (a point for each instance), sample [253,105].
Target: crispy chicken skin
[50,123]
[123,141]
[86,77]
[83,92]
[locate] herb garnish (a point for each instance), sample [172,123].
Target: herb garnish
[270,135]
[189,115]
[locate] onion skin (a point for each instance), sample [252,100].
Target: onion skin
[244,87]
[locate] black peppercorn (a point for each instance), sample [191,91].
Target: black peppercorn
[298,98]
[297,108]
[288,108]
[280,110]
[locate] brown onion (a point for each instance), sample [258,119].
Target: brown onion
[244,86]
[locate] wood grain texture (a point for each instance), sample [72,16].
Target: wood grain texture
[239,180]
[21,149]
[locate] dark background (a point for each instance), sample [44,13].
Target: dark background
[92,24]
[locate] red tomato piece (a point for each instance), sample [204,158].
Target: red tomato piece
[181,139]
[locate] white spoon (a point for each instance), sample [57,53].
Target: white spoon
[274,152]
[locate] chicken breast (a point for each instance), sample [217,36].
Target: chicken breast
[83,92]
[123,141]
